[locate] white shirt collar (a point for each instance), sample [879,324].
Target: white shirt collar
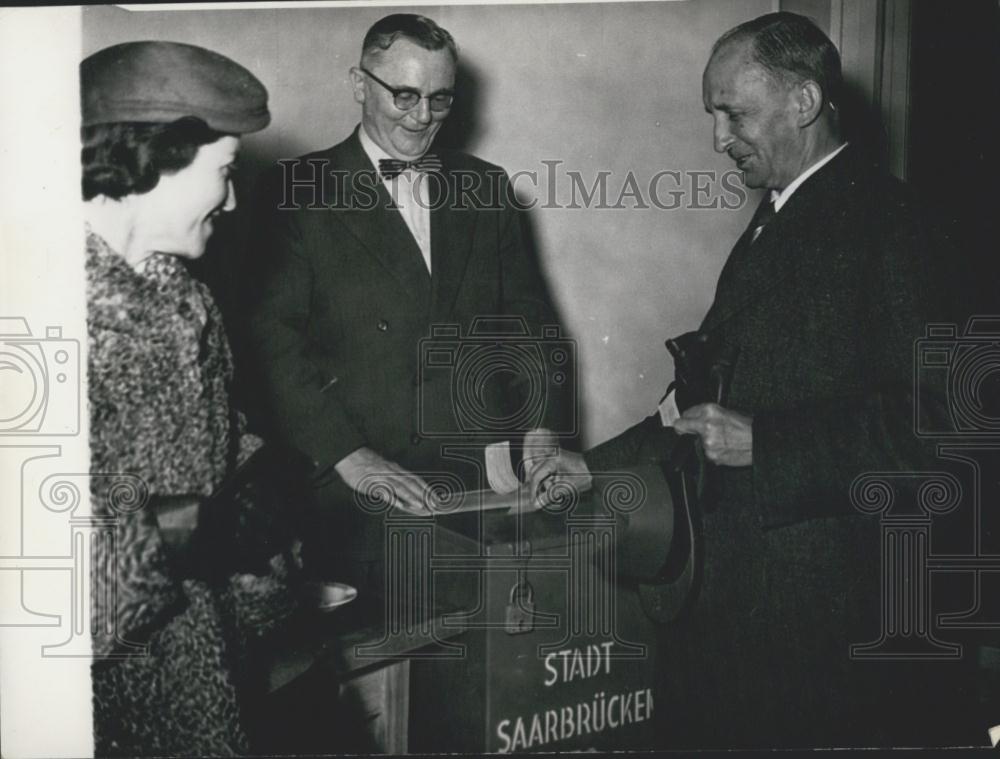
[780,198]
[371,148]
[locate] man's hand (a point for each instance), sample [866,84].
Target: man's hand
[539,444]
[726,436]
[364,470]
[546,465]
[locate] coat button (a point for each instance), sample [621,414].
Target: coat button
[415,439]
[383,325]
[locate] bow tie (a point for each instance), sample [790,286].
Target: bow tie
[390,168]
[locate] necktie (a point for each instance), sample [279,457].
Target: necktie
[390,168]
[765,212]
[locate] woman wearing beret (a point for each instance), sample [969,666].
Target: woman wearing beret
[172,620]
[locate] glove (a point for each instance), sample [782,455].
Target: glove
[693,353]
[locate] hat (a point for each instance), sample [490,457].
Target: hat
[155,81]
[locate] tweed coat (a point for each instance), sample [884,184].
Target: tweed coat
[819,318]
[336,335]
[167,647]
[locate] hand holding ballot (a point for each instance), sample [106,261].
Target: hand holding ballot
[367,472]
[548,466]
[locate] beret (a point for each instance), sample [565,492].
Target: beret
[156,81]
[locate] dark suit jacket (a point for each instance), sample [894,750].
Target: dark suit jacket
[337,332]
[820,316]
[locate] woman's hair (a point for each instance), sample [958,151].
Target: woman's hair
[128,157]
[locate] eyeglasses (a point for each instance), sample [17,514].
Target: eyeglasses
[406,99]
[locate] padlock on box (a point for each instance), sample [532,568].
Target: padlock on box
[520,614]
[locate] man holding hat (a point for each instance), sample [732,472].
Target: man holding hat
[807,395]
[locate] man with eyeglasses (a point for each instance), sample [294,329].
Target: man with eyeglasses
[402,239]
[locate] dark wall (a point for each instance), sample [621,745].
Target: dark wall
[954,149]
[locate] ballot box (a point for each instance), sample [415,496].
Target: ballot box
[557,653]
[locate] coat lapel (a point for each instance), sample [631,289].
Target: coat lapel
[755,270]
[380,229]
[451,242]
